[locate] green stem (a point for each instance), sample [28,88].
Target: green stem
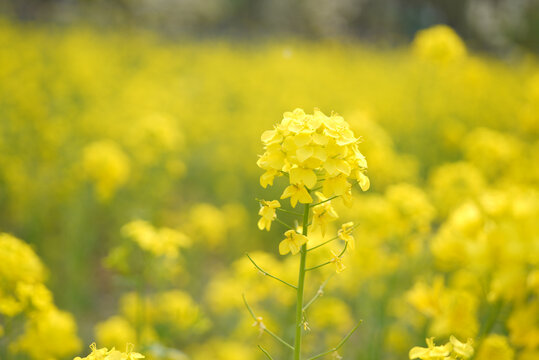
[265,352]
[300,287]
[284,224]
[289,212]
[268,274]
[324,201]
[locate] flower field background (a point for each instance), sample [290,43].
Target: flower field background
[128,187]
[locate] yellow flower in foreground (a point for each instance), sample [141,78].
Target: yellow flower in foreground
[297,193]
[267,211]
[112,354]
[431,352]
[292,242]
[345,233]
[462,350]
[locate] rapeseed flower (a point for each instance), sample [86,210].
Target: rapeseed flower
[292,242]
[323,213]
[345,233]
[267,213]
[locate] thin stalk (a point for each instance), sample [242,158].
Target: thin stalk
[324,201]
[265,352]
[339,345]
[271,333]
[284,224]
[330,261]
[268,274]
[319,293]
[301,285]
[332,239]
[289,212]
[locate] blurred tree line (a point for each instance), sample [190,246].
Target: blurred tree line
[494,25]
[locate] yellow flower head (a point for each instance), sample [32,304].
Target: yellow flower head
[311,149]
[292,242]
[267,213]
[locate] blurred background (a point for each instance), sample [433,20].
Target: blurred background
[126,124]
[496,25]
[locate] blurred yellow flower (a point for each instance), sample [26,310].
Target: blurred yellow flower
[160,242]
[439,44]
[105,163]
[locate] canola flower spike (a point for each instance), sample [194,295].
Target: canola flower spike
[315,152]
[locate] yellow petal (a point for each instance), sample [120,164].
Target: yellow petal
[283,247]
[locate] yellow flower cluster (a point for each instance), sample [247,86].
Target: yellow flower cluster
[159,242]
[439,44]
[105,163]
[311,148]
[452,350]
[112,354]
[26,303]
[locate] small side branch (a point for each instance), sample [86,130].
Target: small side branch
[319,293]
[324,243]
[265,352]
[275,336]
[267,274]
[319,266]
[321,202]
[339,345]
[330,261]
[332,239]
[289,211]
[284,224]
